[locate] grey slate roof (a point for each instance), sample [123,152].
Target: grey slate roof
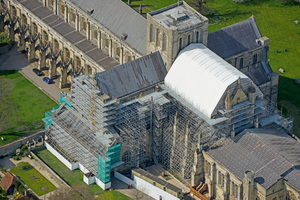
[234,39]
[293,178]
[258,76]
[118,18]
[132,76]
[69,33]
[269,153]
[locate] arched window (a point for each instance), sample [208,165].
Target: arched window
[55,46]
[255,59]
[241,62]
[152,33]
[180,44]
[164,44]
[197,37]
[156,38]
[66,55]
[34,30]
[189,39]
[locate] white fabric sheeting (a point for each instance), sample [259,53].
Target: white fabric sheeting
[201,77]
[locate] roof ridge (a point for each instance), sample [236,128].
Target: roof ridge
[250,19]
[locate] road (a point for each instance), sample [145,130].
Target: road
[14,60]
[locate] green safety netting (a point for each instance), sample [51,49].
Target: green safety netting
[62,99]
[105,163]
[48,119]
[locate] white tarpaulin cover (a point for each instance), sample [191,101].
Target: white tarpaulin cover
[201,77]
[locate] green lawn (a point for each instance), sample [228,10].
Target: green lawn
[74,178]
[33,179]
[112,195]
[32,104]
[152,4]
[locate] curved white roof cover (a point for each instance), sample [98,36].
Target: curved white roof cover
[201,77]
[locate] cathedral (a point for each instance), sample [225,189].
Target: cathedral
[159,90]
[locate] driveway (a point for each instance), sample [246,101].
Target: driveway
[13,60]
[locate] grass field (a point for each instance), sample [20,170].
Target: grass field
[33,179]
[74,178]
[32,104]
[152,4]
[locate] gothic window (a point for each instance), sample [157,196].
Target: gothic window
[222,180]
[55,46]
[45,38]
[255,59]
[24,21]
[95,34]
[180,44]
[164,43]
[189,39]
[156,39]
[66,55]
[197,37]
[13,12]
[72,17]
[219,177]
[241,62]
[34,30]
[152,33]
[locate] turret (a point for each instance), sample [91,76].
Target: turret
[248,185]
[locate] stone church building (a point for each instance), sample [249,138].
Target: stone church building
[73,37]
[161,90]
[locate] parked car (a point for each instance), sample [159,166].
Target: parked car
[38,72]
[47,80]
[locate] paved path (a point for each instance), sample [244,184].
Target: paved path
[14,60]
[46,172]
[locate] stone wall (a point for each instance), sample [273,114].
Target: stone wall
[11,147]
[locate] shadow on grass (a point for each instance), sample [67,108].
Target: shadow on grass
[7,72]
[289,97]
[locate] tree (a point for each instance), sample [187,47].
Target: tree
[199,5]
[7,106]
[65,194]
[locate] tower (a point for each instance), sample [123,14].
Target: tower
[174,27]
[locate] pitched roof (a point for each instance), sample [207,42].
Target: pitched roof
[202,78]
[269,153]
[132,76]
[293,178]
[119,18]
[234,39]
[7,181]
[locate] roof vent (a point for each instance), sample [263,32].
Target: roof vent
[90,11]
[124,36]
[179,15]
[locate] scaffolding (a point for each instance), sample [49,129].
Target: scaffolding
[183,132]
[160,127]
[133,126]
[77,140]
